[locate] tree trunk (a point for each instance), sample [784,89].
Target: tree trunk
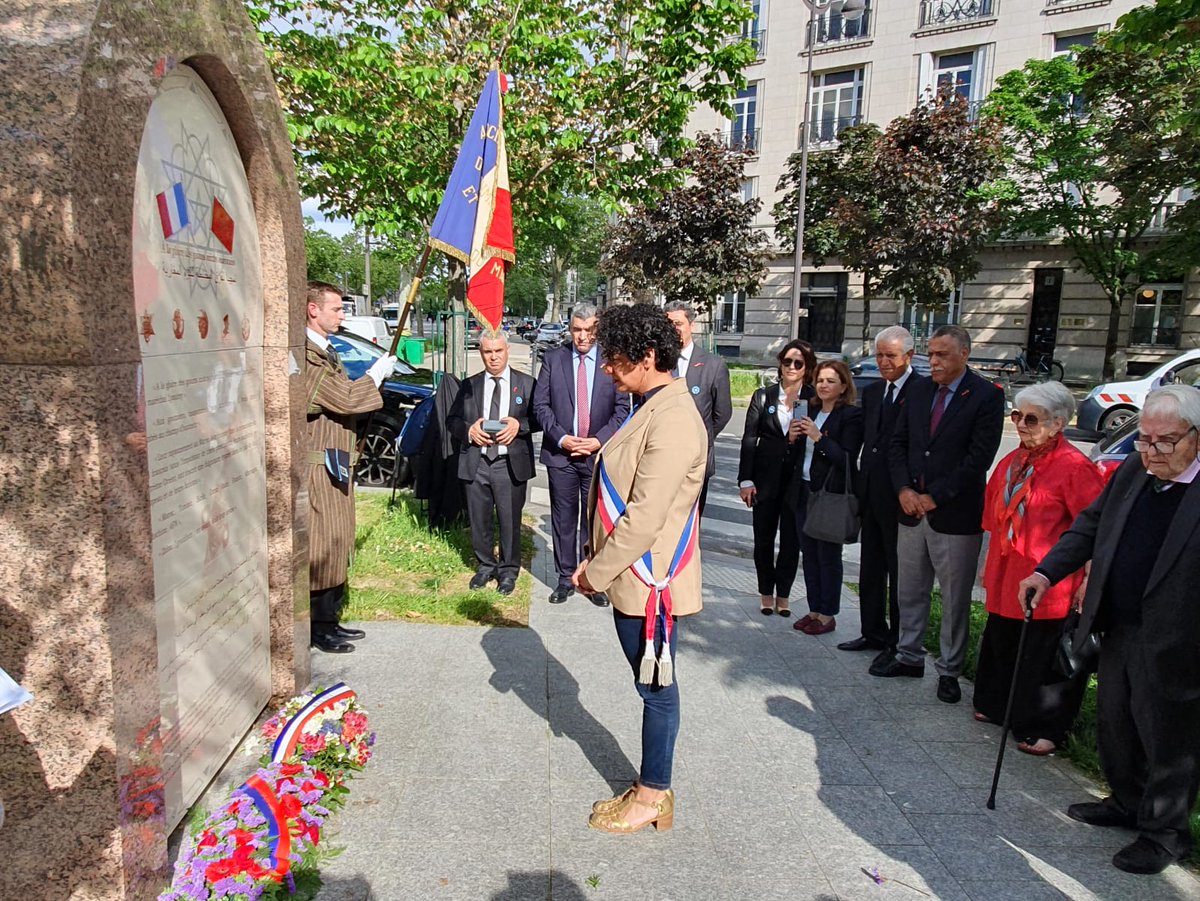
[866,327]
[1110,340]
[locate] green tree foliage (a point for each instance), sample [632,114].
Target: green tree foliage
[910,207]
[378,92]
[573,242]
[695,242]
[1095,148]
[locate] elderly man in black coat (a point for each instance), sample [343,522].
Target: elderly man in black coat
[1142,536]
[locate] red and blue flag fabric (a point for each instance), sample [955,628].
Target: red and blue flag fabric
[289,737]
[279,837]
[474,222]
[173,210]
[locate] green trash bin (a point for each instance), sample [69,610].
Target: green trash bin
[412,351]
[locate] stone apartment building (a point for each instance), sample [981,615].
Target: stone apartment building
[1027,295]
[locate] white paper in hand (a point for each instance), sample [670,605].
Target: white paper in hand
[11,694]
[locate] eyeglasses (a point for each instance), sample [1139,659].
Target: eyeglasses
[1031,421]
[1161,447]
[792,363]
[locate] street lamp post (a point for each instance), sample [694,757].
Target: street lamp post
[851,11]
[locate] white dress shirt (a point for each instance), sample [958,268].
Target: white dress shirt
[489,385]
[379,370]
[685,360]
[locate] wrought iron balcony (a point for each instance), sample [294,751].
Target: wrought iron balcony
[832,28]
[824,132]
[757,40]
[953,12]
[743,139]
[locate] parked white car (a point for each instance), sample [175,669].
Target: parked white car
[1108,407]
[373,328]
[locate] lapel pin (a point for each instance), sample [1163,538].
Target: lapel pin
[695,389]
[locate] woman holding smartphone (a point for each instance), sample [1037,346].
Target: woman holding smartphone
[765,473]
[828,439]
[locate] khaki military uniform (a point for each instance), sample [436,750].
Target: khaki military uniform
[334,402]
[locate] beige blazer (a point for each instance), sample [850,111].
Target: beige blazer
[656,463]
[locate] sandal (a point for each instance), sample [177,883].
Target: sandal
[981,718]
[1041,747]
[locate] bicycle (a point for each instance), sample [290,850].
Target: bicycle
[1042,369]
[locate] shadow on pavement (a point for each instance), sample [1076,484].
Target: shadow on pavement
[536,886]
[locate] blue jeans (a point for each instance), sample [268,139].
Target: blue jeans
[822,565]
[660,706]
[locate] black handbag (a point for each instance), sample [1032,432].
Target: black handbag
[830,516]
[1068,662]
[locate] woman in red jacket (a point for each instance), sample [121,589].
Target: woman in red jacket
[1033,496]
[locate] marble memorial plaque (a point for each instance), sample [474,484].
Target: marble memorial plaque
[198,298]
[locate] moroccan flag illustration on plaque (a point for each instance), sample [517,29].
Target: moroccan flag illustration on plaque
[474,222]
[222,225]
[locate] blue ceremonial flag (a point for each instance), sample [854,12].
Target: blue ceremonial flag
[474,222]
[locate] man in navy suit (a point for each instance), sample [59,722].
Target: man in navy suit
[707,380]
[579,409]
[882,400]
[944,441]
[496,466]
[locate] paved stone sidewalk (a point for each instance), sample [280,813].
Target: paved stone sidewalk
[796,771]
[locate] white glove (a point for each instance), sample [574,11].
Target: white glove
[381,369]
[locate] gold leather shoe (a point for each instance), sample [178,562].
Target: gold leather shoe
[611,803]
[616,820]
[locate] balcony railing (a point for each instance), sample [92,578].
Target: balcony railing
[1162,216]
[757,40]
[825,131]
[743,139]
[833,28]
[952,12]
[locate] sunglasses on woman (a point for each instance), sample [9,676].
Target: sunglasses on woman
[1031,421]
[792,363]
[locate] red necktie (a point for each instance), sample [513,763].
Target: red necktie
[582,409]
[939,407]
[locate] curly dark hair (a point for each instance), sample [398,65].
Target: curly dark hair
[633,331]
[806,351]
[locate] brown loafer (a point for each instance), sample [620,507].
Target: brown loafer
[801,625]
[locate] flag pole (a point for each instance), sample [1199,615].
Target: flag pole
[408,304]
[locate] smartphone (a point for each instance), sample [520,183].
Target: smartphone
[492,426]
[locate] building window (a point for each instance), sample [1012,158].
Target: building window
[753,31]
[1071,44]
[836,104]
[963,72]
[743,134]
[923,320]
[731,317]
[1157,310]
[957,72]
[748,189]
[834,28]
[825,296]
[1170,206]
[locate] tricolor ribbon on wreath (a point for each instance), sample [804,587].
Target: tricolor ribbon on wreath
[293,730]
[279,838]
[611,508]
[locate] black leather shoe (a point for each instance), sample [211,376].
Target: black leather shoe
[860,644]
[949,690]
[507,586]
[883,656]
[331,644]
[600,599]
[340,631]
[1101,813]
[560,595]
[1143,857]
[480,580]
[893,667]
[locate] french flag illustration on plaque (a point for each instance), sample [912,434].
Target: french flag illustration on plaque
[172,210]
[222,225]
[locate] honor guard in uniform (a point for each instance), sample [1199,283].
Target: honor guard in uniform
[334,403]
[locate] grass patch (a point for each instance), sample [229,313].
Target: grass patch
[403,571]
[743,382]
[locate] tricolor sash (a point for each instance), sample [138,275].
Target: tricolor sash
[611,508]
[293,730]
[279,837]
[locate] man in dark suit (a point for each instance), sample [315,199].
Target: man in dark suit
[708,382]
[495,465]
[579,409]
[944,441]
[879,610]
[1142,536]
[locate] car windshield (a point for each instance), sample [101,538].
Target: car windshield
[1121,440]
[353,349]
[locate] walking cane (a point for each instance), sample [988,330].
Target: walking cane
[1012,691]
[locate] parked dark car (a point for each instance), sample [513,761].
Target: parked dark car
[401,393]
[866,371]
[1111,450]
